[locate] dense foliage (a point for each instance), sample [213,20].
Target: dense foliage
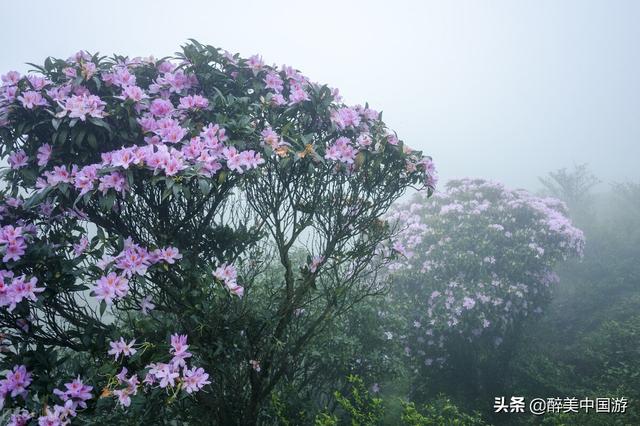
[177,232]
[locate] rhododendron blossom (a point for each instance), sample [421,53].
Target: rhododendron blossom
[123,348]
[15,383]
[76,392]
[82,106]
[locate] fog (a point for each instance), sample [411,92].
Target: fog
[506,90]
[300,304]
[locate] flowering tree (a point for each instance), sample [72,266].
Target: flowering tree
[176,232]
[475,263]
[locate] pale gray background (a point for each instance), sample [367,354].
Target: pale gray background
[500,89]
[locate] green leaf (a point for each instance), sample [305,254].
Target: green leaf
[80,136]
[205,186]
[62,136]
[93,142]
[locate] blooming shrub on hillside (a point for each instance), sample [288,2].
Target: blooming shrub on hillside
[473,262]
[145,200]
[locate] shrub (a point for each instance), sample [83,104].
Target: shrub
[176,232]
[475,263]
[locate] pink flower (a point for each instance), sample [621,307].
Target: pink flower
[250,159]
[20,290]
[146,305]
[293,74]
[11,78]
[233,159]
[14,202]
[194,379]
[165,373]
[88,69]
[346,117]
[399,247]
[111,287]
[297,94]
[77,392]
[21,418]
[176,82]
[124,395]
[174,134]
[59,175]
[147,123]
[193,102]
[179,350]
[37,82]
[236,289]
[14,251]
[274,82]
[364,140]
[80,247]
[123,348]
[8,94]
[161,107]
[10,234]
[226,273]
[342,151]
[85,179]
[32,99]
[134,93]
[44,153]
[165,67]
[315,262]
[119,77]
[16,382]
[82,106]
[271,138]
[60,93]
[123,158]
[114,180]
[173,166]
[70,72]
[133,260]
[278,100]
[18,159]
[255,62]
[468,303]
[170,255]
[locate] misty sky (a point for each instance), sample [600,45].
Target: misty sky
[507,90]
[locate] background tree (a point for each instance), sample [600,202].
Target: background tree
[574,187]
[593,349]
[476,263]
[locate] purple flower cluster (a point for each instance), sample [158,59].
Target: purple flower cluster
[229,276]
[171,144]
[176,371]
[14,290]
[175,374]
[75,396]
[15,383]
[12,243]
[133,260]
